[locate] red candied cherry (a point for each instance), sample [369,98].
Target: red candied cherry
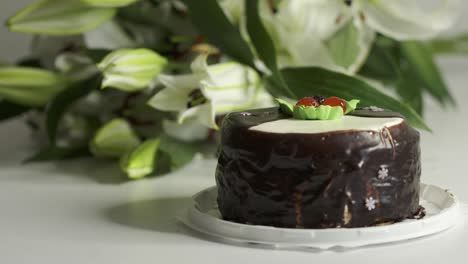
[335,101]
[308,101]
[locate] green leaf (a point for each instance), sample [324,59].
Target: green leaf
[344,45]
[108,3]
[285,106]
[59,153]
[386,65]
[29,86]
[180,153]
[420,58]
[97,55]
[263,43]
[382,64]
[455,45]
[64,100]
[131,69]
[410,91]
[213,24]
[309,81]
[114,139]
[261,40]
[9,110]
[30,62]
[141,161]
[59,17]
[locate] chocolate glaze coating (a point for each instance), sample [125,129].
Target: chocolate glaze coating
[316,180]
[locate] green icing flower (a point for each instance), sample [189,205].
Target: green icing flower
[322,112]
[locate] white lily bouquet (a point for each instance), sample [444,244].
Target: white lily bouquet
[147,82]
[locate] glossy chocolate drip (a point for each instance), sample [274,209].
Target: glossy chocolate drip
[317,180]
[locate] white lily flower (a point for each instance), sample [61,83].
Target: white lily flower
[208,90]
[300,30]
[185,94]
[303,29]
[234,87]
[406,19]
[399,19]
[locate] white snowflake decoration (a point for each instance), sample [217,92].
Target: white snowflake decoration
[383,172]
[370,203]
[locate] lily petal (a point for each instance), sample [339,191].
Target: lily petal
[350,46]
[204,113]
[321,18]
[234,9]
[184,82]
[174,96]
[227,99]
[231,75]
[191,130]
[169,99]
[199,65]
[234,87]
[403,19]
[306,52]
[366,39]
[301,27]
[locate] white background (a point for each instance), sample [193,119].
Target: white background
[12,45]
[80,212]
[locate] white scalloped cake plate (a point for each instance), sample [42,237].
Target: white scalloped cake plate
[442,212]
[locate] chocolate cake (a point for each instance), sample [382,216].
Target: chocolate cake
[361,170]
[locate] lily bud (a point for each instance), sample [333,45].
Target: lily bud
[140,162]
[109,3]
[114,139]
[131,69]
[30,86]
[59,17]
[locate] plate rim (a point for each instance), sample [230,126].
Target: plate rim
[445,219]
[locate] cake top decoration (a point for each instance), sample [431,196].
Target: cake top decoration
[318,108]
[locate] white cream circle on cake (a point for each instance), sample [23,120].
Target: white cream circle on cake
[356,123]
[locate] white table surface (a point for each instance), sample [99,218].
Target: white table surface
[80,212]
